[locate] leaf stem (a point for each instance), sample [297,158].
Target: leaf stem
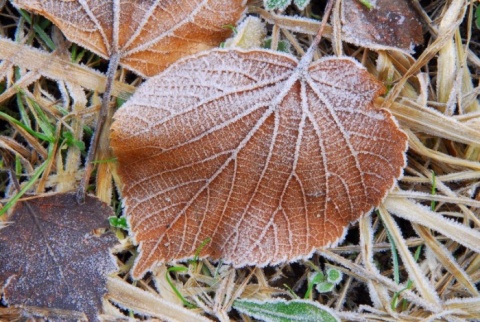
[307,58]
[101,120]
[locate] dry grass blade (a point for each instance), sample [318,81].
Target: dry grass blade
[57,68]
[424,287]
[422,215]
[378,292]
[142,302]
[446,259]
[428,120]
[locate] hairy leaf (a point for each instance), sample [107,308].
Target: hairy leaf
[269,157]
[386,25]
[148,35]
[279,310]
[50,257]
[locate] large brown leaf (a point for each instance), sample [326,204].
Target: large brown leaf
[269,157]
[50,258]
[147,34]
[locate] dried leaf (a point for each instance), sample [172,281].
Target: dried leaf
[49,256]
[269,157]
[388,25]
[148,35]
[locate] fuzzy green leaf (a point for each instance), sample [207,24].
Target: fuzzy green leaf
[301,4]
[276,4]
[334,276]
[324,287]
[477,17]
[283,45]
[279,310]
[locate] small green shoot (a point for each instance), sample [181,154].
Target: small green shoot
[396,266]
[111,160]
[283,45]
[194,261]
[174,288]
[396,274]
[323,282]
[20,96]
[324,287]
[301,4]
[334,275]
[119,101]
[18,166]
[314,279]
[292,292]
[25,15]
[76,56]
[477,17]
[44,37]
[42,119]
[434,191]
[367,4]
[39,28]
[117,222]
[231,27]
[68,139]
[36,134]
[204,243]
[29,184]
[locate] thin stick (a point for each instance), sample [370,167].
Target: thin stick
[309,54]
[101,120]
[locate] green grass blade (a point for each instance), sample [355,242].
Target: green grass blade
[30,183]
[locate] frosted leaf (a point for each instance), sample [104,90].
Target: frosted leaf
[148,35]
[250,34]
[280,310]
[301,4]
[269,157]
[393,25]
[276,4]
[50,258]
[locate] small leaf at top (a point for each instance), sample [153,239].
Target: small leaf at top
[334,275]
[50,258]
[249,34]
[477,17]
[269,157]
[324,287]
[393,25]
[148,35]
[276,4]
[301,4]
[279,310]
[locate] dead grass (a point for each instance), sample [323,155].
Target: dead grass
[434,230]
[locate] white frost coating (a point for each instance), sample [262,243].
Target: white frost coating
[270,157]
[146,35]
[424,216]
[250,34]
[387,26]
[264,314]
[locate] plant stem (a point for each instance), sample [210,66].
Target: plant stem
[101,120]
[307,58]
